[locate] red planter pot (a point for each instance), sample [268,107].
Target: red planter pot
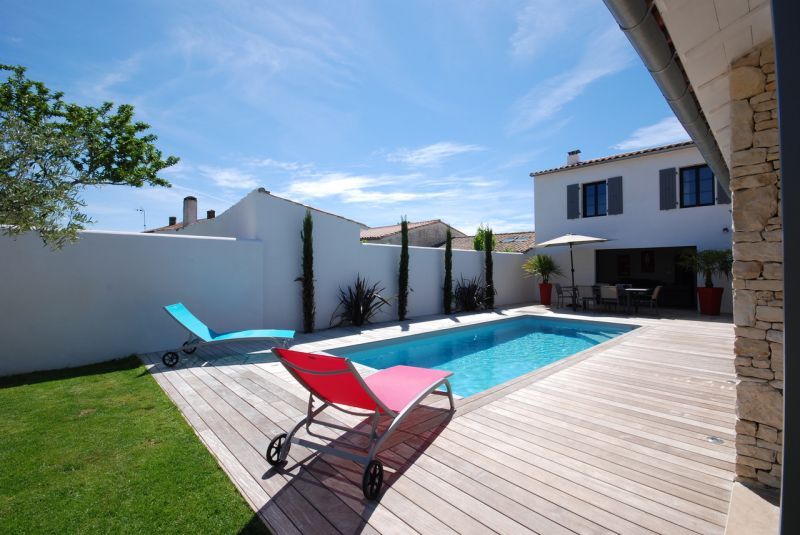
[545,291]
[710,300]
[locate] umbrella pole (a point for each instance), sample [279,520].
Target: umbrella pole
[572,268]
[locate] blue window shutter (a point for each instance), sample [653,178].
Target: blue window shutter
[667,188]
[614,195]
[573,205]
[722,195]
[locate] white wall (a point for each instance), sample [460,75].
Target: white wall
[101,298]
[641,225]
[339,256]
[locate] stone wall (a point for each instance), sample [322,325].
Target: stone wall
[757,267]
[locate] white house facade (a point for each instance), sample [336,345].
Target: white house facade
[652,205]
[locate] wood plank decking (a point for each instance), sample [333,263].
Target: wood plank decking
[611,440]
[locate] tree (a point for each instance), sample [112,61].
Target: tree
[402,297]
[448,273]
[489,269]
[480,238]
[50,150]
[307,278]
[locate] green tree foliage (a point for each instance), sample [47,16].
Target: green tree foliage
[488,237]
[448,273]
[50,150]
[402,297]
[307,279]
[478,243]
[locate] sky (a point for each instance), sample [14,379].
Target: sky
[370,110]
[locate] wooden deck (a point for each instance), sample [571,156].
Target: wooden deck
[613,439]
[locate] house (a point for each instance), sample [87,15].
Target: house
[189,217]
[430,233]
[505,242]
[652,205]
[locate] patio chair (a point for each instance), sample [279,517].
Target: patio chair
[562,294]
[609,295]
[588,294]
[393,392]
[652,300]
[201,335]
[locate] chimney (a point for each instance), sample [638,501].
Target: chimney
[573,157]
[189,210]
[172,220]
[210,214]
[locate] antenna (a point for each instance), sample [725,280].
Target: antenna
[144,217]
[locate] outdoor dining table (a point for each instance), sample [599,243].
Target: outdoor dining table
[632,297]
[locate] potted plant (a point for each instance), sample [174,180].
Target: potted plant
[709,262]
[542,266]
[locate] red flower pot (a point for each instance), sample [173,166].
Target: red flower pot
[545,290]
[710,300]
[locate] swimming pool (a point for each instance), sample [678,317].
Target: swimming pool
[488,354]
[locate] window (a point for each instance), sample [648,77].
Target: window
[697,186]
[594,199]
[513,239]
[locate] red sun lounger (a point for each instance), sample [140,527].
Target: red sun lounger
[393,392]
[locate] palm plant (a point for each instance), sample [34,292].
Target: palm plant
[359,303]
[543,266]
[709,262]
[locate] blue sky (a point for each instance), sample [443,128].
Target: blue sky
[371,110]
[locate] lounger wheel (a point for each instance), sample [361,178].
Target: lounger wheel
[170,358]
[274,450]
[372,481]
[188,349]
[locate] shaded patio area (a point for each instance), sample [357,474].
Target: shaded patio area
[613,439]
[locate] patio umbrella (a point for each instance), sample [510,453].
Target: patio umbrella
[571,239]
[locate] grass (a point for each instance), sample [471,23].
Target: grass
[102,449]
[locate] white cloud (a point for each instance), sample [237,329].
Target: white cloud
[664,132]
[539,23]
[357,188]
[228,177]
[605,54]
[285,166]
[431,154]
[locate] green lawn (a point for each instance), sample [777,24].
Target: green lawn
[101,449]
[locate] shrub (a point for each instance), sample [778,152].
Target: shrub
[359,303]
[470,294]
[448,274]
[402,297]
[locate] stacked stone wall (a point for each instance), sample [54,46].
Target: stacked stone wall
[757,267]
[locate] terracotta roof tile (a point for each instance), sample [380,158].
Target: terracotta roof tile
[376,233]
[514,242]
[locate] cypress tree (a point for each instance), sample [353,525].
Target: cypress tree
[402,298]
[307,279]
[448,274]
[489,268]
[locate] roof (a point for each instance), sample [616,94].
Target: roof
[376,233]
[505,242]
[614,157]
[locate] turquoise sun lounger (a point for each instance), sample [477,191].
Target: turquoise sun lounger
[201,335]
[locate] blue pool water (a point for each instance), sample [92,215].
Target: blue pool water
[483,356]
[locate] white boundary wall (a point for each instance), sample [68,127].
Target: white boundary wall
[102,297]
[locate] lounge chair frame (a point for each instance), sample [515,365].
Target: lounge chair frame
[194,341]
[375,440]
